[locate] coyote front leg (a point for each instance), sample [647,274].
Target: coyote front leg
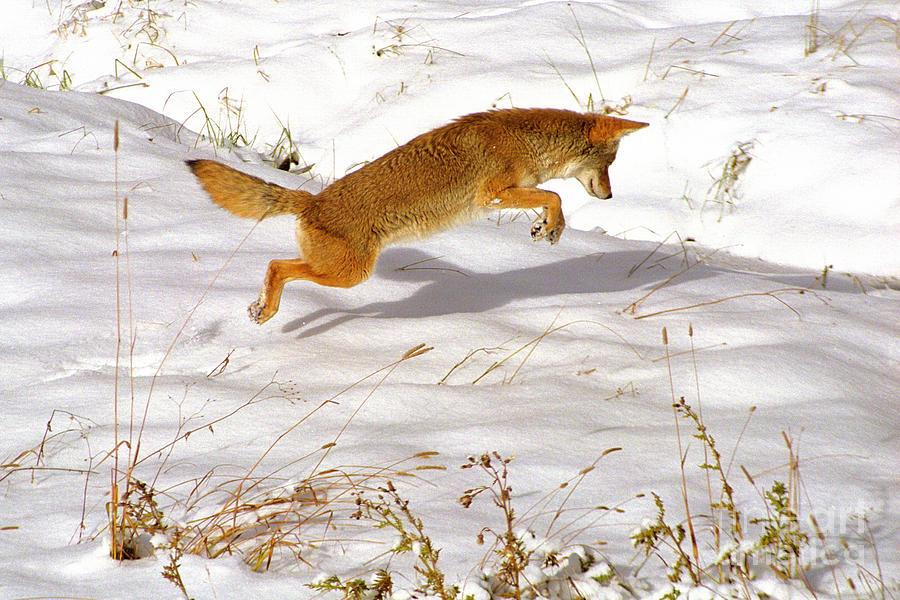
[549,224]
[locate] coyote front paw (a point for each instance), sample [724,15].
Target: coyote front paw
[258,313]
[541,229]
[556,232]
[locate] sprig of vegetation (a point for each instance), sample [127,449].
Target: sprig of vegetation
[656,536]
[233,132]
[725,188]
[782,540]
[379,587]
[388,510]
[402,39]
[511,555]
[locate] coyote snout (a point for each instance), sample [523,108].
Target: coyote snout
[596,182]
[451,174]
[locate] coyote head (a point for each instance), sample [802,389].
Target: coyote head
[592,168]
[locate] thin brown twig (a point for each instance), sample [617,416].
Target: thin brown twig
[633,306]
[771,294]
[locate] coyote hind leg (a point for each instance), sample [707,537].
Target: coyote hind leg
[282,271]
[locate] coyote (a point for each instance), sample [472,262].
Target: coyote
[449,175]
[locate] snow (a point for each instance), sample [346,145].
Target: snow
[789,285]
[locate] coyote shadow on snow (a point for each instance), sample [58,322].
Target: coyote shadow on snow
[450,288]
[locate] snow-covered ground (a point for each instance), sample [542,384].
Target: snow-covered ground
[550,354]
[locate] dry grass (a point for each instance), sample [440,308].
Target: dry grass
[725,187]
[266,518]
[529,347]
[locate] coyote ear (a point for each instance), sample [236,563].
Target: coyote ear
[610,129]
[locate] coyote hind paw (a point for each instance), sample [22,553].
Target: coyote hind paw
[257,313]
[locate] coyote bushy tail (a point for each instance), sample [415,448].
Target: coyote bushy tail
[245,195]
